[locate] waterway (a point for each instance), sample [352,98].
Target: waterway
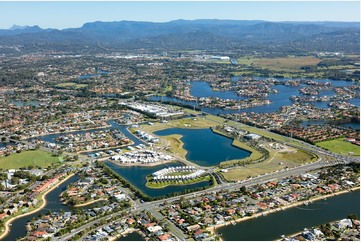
[203,89]
[25,103]
[18,228]
[136,175]
[206,148]
[293,220]
[123,128]
[131,237]
[354,126]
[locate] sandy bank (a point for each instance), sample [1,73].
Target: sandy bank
[7,223]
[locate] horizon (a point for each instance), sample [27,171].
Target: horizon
[145,21]
[51,14]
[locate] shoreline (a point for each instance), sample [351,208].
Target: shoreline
[68,131]
[7,223]
[182,184]
[89,203]
[108,148]
[123,234]
[296,204]
[144,165]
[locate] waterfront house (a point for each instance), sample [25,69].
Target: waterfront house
[343,224]
[3,215]
[193,227]
[164,237]
[154,229]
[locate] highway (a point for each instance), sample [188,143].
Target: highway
[152,206]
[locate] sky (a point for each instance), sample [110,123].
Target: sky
[70,14]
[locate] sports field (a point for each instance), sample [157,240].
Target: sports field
[340,146]
[37,158]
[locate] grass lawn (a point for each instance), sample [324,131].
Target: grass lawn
[26,158]
[189,123]
[277,161]
[340,146]
[71,85]
[254,156]
[176,145]
[290,63]
[278,137]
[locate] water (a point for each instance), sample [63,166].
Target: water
[131,237]
[51,137]
[99,73]
[26,103]
[293,220]
[312,122]
[355,101]
[355,126]
[202,89]
[136,175]
[206,148]
[18,229]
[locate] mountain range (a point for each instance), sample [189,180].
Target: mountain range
[190,34]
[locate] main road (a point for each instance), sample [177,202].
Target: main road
[152,206]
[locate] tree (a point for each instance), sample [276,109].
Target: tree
[243,189]
[15,180]
[352,216]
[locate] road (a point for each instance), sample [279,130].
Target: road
[171,227]
[152,206]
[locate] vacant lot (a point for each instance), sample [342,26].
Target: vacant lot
[26,158]
[290,63]
[189,123]
[176,145]
[340,146]
[277,161]
[71,85]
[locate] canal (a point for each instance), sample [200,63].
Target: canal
[135,236]
[18,227]
[293,220]
[203,89]
[113,125]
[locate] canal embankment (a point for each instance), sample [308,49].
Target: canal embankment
[291,218]
[43,204]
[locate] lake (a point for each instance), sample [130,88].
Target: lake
[293,220]
[206,148]
[136,175]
